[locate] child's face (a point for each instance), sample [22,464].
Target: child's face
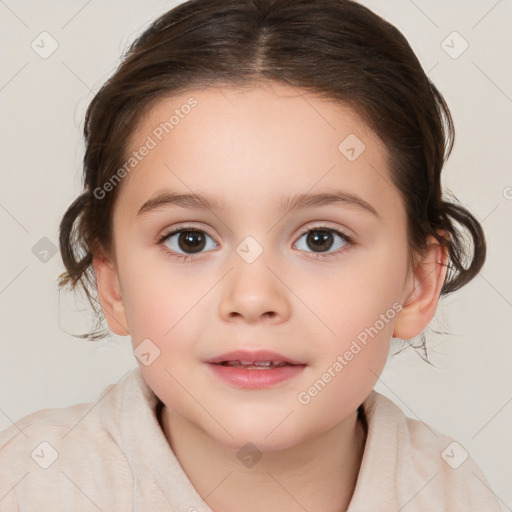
[250,149]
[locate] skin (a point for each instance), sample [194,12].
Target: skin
[249,147]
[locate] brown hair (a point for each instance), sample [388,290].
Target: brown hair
[338,49]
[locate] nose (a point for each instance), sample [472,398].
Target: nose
[253,292]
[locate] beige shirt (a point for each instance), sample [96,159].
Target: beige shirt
[111,455]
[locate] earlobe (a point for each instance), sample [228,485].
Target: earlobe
[109,292]
[420,304]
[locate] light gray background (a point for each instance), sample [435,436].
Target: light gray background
[43,101]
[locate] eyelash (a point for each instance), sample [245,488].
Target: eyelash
[185,257]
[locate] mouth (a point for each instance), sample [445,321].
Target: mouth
[255,370]
[254,360]
[255,365]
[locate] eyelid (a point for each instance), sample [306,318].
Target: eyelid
[325,226]
[304,230]
[349,240]
[182,227]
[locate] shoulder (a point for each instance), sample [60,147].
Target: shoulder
[41,434]
[429,470]
[53,453]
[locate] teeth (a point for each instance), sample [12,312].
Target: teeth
[256,364]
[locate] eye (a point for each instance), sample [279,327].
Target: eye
[190,241]
[183,243]
[322,239]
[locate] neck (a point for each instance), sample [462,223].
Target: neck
[319,474]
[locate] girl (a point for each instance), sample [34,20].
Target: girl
[262,212]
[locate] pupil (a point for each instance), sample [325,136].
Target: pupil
[191,240]
[321,240]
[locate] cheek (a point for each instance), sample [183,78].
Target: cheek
[165,303]
[350,365]
[359,306]
[150,304]
[365,289]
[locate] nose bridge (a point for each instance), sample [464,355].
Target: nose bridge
[252,290]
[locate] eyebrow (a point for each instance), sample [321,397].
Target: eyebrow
[167,198]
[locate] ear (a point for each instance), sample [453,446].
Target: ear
[426,281]
[109,291]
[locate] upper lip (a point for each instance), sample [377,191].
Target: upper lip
[247,355]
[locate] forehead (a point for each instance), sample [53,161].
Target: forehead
[246,139]
[267,108]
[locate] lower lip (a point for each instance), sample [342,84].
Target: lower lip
[255,379]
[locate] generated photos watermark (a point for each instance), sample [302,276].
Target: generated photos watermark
[357,345]
[152,141]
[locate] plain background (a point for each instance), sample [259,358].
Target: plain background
[468,395]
